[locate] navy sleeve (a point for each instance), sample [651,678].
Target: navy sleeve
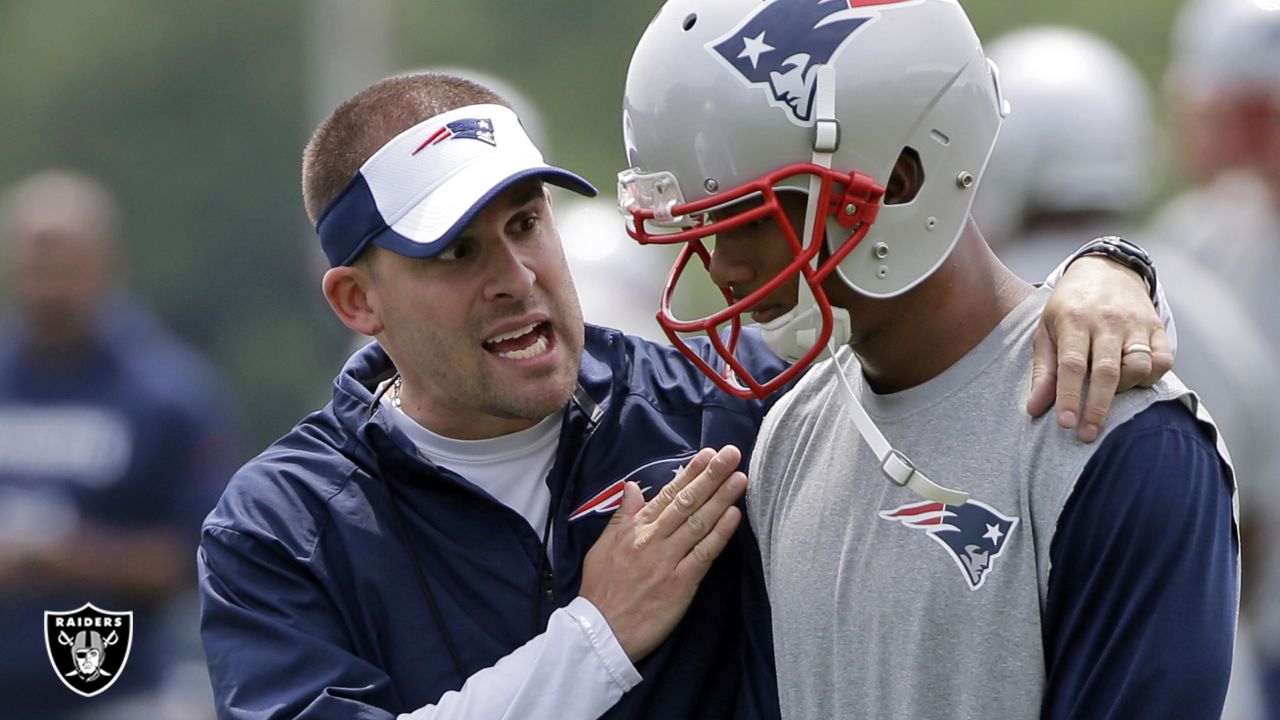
[1141,608]
[273,648]
[758,696]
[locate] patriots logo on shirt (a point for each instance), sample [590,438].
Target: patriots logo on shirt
[974,533]
[465,129]
[780,46]
[652,474]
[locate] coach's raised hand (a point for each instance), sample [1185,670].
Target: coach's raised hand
[642,572]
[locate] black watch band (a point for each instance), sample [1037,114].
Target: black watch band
[1126,253]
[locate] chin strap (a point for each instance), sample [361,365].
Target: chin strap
[893,463]
[793,333]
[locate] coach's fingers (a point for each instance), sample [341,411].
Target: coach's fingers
[632,501]
[702,520]
[1104,377]
[1073,363]
[1161,357]
[1136,362]
[623,519]
[696,563]
[691,470]
[1044,372]
[696,493]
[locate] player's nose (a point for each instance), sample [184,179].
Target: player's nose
[731,262]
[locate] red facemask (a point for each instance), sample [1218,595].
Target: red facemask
[851,199]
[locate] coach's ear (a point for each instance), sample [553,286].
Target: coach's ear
[348,290]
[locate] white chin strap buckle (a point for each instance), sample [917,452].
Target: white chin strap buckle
[902,472]
[796,331]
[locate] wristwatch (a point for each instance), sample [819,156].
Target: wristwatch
[1126,253]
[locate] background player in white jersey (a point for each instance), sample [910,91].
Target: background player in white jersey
[833,150]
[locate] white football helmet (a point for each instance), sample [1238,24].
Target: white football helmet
[1081,137]
[730,100]
[1226,45]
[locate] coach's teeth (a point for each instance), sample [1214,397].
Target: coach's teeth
[512,335]
[533,350]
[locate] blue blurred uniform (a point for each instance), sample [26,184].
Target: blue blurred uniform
[129,434]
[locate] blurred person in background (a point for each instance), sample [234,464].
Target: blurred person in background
[1077,153]
[113,445]
[1223,85]
[1076,157]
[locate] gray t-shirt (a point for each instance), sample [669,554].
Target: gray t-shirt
[886,605]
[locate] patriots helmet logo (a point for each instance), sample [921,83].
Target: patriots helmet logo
[974,533]
[781,44]
[465,129]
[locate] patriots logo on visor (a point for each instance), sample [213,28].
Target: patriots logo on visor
[465,129]
[974,534]
[782,43]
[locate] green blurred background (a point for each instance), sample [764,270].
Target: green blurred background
[195,113]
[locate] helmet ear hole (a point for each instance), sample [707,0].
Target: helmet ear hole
[690,21]
[906,179]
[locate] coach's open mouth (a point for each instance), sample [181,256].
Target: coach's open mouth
[522,343]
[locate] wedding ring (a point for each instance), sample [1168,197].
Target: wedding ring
[1137,348]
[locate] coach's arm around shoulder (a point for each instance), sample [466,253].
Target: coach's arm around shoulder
[278,648]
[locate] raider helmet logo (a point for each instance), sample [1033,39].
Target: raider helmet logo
[974,533]
[88,647]
[781,44]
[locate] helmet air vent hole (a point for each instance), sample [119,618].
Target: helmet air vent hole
[940,137]
[690,21]
[906,179]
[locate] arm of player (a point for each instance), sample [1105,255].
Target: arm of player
[1098,308]
[1142,598]
[275,649]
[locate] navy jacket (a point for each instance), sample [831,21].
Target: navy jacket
[310,603]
